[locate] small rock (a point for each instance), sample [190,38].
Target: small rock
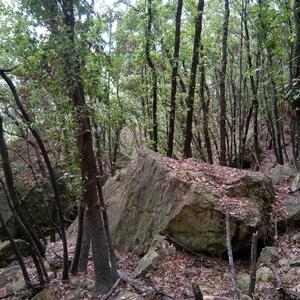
[161,245]
[8,274]
[291,277]
[55,264]
[126,295]
[16,287]
[296,183]
[190,271]
[147,263]
[297,238]
[206,288]
[282,173]
[292,207]
[295,262]
[284,262]
[243,282]
[45,295]
[215,298]
[269,255]
[265,275]
[245,297]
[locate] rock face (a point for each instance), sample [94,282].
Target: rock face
[185,200]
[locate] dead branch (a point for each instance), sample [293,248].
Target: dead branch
[113,288]
[235,290]
[160,292]
[135,284]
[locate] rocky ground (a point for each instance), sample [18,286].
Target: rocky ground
[173,275]
[170,268]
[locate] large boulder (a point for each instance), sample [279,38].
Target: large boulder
[185,200]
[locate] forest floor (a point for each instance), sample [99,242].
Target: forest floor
[172,277]
[174,274]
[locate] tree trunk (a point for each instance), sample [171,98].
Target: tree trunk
[222,159]
[104,276]
[85,245]
[187,151]
[296,104]
[204,105]
[154,77]
[174,79]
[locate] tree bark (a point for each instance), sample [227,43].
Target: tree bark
[296,104]
[104,277]
[151,65]
[235,290]
[204,106]
[174,79]
[187,151]
[222,159]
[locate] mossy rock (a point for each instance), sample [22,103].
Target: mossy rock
[291,277]
[264,274]
[243,282]
[269,255]
[7,253]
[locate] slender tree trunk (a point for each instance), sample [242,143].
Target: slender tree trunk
[85,246]
[50,170]
[187,151]
[14,204]
[74,266]
[254,106]
[174,79]
[297,79]
[222,159]
[204,106]
[153,75]
[17,252]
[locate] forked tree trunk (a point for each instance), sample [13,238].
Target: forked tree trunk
[103,273]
